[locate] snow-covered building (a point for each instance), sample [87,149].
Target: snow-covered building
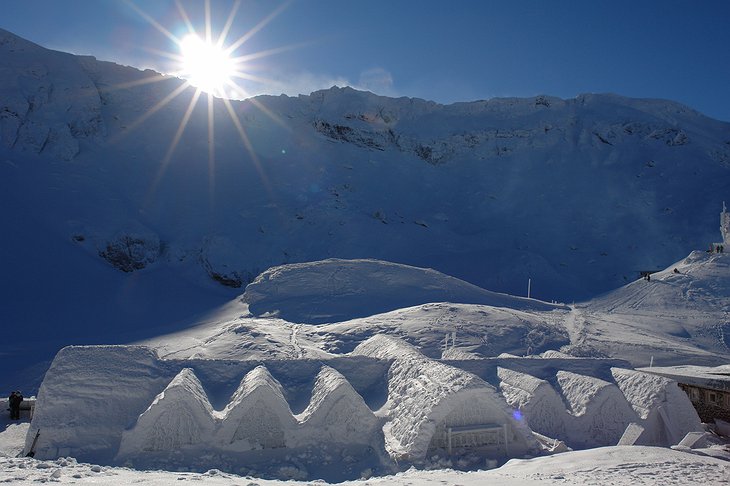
[724,231]
[384,405]
[708,388]
[436,408]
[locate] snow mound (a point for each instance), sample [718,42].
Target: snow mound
[600,411]
[337,413]
[336,290]
[429,400]
[537,400]
[180,416]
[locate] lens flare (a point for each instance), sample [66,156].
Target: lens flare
[206,65]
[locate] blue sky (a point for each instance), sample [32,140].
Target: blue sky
[439,50]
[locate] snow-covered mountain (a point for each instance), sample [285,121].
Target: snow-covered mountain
[128,212]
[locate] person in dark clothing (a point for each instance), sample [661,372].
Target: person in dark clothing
[14,400]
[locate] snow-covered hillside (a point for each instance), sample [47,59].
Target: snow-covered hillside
[667,320]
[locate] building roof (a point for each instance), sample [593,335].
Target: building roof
[717,378]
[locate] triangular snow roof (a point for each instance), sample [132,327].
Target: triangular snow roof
[337,412]
[257,413]
[178,416]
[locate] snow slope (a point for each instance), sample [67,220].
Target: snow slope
[661,319]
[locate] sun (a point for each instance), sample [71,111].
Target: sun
[205,65]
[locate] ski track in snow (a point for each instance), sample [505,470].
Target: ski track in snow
[298,351]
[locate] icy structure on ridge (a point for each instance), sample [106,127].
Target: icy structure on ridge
[434,406]
[537,400]
[600,413]
[337,413]
[725,226]
[180,416]
[666,412]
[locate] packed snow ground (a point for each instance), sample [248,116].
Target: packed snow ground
[618,466]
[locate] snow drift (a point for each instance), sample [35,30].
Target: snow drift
[336,290]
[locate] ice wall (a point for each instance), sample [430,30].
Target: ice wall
[90,395]
[600,413]
[666,412]
[537,400]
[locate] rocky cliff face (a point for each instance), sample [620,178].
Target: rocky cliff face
[47,102]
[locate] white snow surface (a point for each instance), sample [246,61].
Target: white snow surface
[713,377]
[620,466]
